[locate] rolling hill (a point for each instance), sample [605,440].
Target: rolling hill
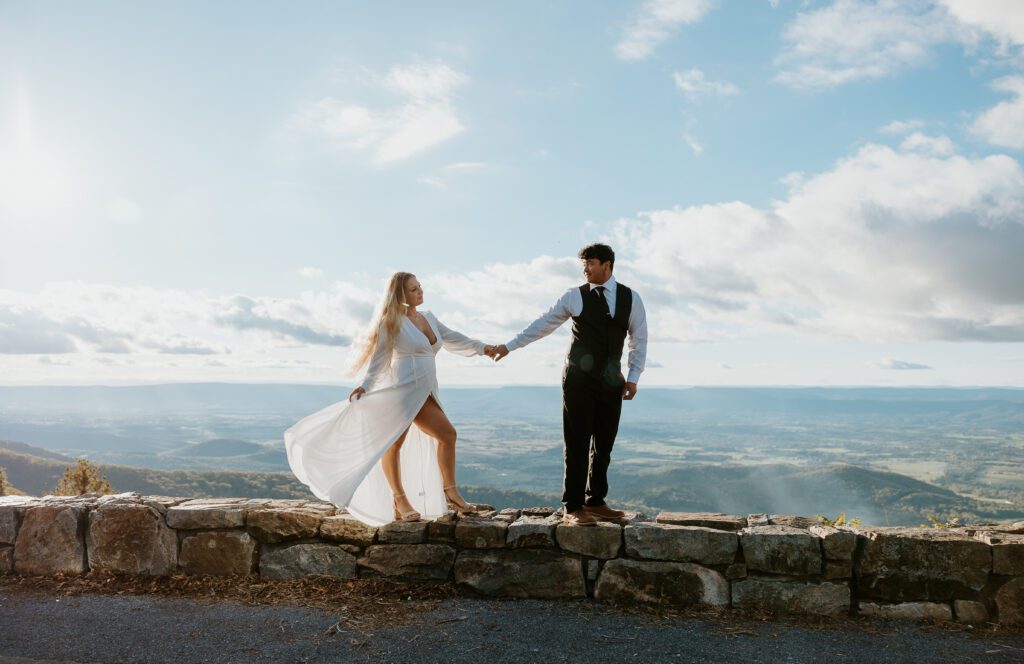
[876,497]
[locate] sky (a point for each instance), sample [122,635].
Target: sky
[803,193]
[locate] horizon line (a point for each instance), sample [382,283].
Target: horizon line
[495,387]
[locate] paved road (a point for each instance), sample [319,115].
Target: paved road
[109,628]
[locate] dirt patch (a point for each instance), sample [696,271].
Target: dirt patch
[366,604]
[362,603]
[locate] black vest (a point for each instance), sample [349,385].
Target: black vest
[598,338]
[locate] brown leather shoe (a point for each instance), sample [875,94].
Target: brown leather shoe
[578,518]
[604,512]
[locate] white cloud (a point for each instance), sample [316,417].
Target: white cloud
[310,272]
[900,365]
[466,166]
[901,126]
[936,145]
[694,84]
[656,22]
[851,40]
[425,117]
[425,81]
[1003,124]
[431,181]
[1003,19]
[449,172]
[888,245]
[697,148]
[75,317]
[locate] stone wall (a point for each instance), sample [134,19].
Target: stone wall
[777,564]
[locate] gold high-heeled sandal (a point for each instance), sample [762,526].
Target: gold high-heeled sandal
[470,508]
[411,515]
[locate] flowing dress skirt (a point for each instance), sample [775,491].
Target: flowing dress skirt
[336,451]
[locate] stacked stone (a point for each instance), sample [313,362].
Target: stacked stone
[941,574]
[773,564]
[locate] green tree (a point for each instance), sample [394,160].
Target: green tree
[3,482]
[83,478]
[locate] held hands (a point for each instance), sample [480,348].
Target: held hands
[497,352]
[629,391]
[358,392]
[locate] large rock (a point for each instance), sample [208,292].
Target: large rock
[508,515]
[51,540]
[477,533]
[1010,602]
[414,562]
[10,519]
[782,596]
[348,529]
[279,525]
[127,538]
[442,529]
[838,569]
[658,541]
[542,573]
[792,520]
[291,561]
[1007,552]
[921,564]
[835,543]
[205,516]
[781,550]
[532,531]
[625,581]
[601,541]
[715,520]
[972,613]
[219,552]
[163,503]
[403,532]
[907,611]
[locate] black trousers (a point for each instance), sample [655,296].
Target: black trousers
[590,419]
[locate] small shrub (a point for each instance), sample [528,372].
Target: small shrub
[838,521]
[83,478]
[951,522]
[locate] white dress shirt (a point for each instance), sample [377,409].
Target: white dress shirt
[571,304]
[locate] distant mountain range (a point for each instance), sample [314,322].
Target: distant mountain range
[876,497]
[995,405]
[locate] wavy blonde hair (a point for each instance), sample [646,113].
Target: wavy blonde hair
[390,317]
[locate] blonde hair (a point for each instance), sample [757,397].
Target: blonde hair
[390,317]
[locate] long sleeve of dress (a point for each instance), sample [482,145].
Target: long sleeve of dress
[379,361]
[456,342]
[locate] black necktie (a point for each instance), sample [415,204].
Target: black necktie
[604,303]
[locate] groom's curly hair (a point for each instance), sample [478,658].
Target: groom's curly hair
[601,252]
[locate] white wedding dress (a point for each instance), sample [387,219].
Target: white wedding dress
[336,451]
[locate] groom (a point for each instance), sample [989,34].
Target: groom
[603,312]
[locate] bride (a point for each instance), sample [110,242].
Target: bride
[364,453]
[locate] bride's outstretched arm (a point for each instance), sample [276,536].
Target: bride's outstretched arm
[458,343]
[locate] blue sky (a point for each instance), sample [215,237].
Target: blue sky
[806,193]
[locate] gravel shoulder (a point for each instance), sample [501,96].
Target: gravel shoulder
[74,623]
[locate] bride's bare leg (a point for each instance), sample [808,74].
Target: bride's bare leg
[392,471]
[433,422]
